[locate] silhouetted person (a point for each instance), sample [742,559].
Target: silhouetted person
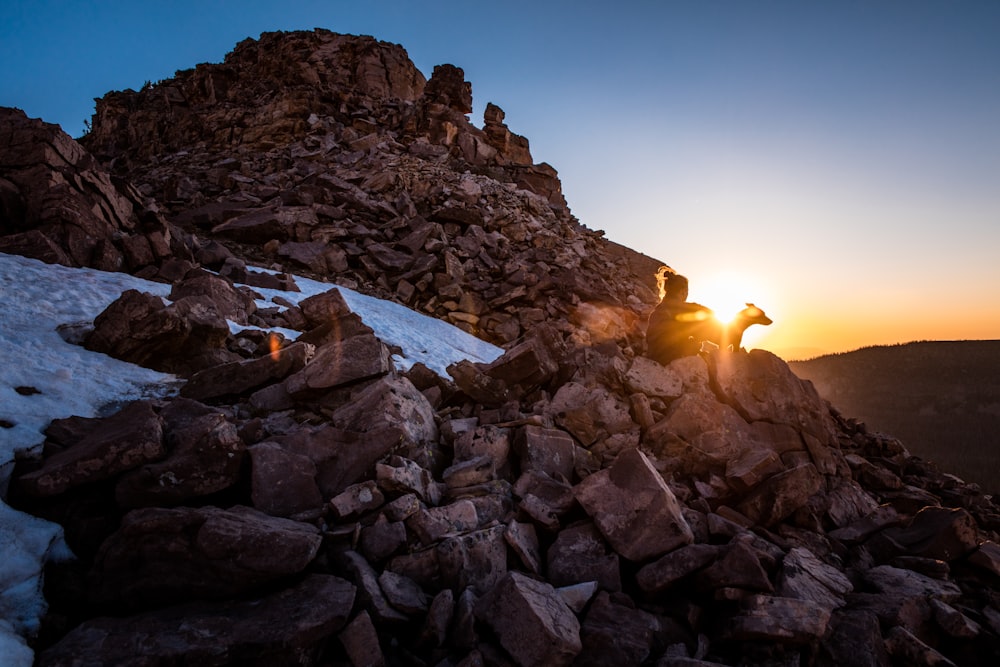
[670,331]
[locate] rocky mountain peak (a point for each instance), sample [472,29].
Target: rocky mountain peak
[307,500]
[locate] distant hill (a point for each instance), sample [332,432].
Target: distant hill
[941,399]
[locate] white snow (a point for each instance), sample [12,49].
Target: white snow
[58,379]
[423,339]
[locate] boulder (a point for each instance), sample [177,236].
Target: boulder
[163,556]
[781,620]
[243,376]
[580,554]
[634,509]
[128,439]
[204,456]
[335,364]
[278,628]
[780,495]
[282,482]
[531,621]
[474,560]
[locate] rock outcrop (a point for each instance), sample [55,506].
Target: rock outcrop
[571,502]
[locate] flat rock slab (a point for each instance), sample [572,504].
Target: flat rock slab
[276,627]
[783,620]
[163,556]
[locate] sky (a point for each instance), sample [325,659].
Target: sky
[836,163]
[35,299]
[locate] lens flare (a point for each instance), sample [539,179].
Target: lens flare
[274,343]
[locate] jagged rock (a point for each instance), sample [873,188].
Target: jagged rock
[335,364]
[356,500]
[579,555]
[401,475]
[676,565]
[360,642]
[204,457]
[782,620]
[805,577]
[897,581]
[229,302]
[439,618]
[432,524]
[243,376]
[283,483]
[546,450]
[61,206]
[848,503]
[861,529]
[952,621]
[987,556]
[391,403]
[855,640]
[649,378]
[737,566]
[342,457]
[577,596]
[403,593]
[126,440]
[760,385]
[370,594]
[280,628]
[616,634]
[162,556]
[905,647]
[326,307]
[780,495]
[590,414]
[382,539]
[476,560]
[523,539]
[185,336]
[531,621]
[634,509]
[935,532]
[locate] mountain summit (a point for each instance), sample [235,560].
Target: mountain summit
[314,496]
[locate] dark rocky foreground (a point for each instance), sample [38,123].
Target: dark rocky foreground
[306,503]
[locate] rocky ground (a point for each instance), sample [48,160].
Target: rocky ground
[306,502]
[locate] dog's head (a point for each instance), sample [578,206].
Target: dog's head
[754,315]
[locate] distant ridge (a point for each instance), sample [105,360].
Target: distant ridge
[941,398]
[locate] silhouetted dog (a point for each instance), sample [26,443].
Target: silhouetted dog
[729,335]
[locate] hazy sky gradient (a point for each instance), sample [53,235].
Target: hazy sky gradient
[839,161]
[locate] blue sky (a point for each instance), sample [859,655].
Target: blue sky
[838,163]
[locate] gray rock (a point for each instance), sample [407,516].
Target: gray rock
[805,577]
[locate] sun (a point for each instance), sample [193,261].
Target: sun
[727,293]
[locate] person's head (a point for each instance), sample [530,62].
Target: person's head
[676,288]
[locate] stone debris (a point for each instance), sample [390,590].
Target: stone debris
[309,503]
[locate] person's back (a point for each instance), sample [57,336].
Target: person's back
[671,325]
